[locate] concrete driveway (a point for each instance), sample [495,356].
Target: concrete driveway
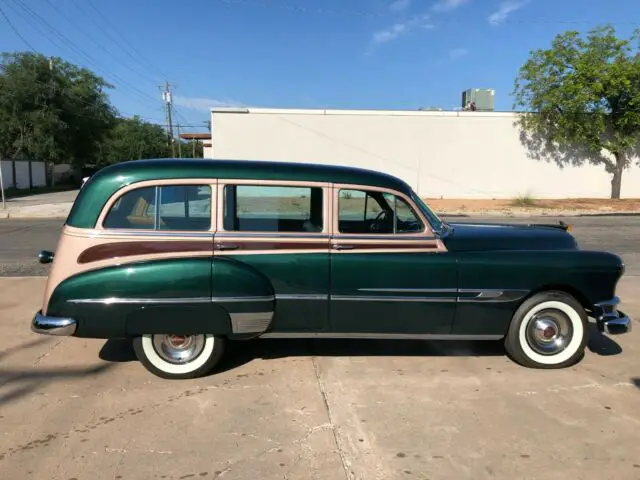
[83,409]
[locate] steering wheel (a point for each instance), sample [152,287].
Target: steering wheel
[379,220]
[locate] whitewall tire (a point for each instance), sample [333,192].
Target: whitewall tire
[178,356]
[549,330]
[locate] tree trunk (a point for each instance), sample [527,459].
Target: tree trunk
[616,180]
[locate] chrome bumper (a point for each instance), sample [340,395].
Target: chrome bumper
[609,319]
[62,327]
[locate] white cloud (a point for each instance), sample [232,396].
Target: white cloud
[447,5]
[399,5]
[504,10]
[401,28]
[457,53]
[204,104]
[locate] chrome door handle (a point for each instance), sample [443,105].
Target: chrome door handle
[341,246]
[226,246]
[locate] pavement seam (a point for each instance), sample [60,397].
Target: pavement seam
[53,347]
[346,466]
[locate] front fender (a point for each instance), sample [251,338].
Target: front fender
[590,276]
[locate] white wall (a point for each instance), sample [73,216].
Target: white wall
[440,154]
[38,174]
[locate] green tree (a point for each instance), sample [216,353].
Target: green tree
[582,98]
[51,110]
[133,139]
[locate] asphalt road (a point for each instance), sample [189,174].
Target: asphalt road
[21,240]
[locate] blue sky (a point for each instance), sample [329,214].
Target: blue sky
[386,54]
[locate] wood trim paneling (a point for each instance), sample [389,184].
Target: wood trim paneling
[127,249]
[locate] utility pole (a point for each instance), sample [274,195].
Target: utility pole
[168,105]
[179,142]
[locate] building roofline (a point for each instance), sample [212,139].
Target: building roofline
[322,111]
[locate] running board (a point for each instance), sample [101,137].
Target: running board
[381,336]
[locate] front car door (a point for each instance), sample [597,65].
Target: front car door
[390,274]
[271,255]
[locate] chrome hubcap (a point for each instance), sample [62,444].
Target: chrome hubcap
[549,332]
[178,349]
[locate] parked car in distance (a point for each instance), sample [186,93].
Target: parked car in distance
[182,256]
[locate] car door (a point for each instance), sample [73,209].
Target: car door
[389,273]
[273,241]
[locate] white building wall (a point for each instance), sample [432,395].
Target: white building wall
[440,154]
[38,174]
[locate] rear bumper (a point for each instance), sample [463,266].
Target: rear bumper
[58,326]
[609,319]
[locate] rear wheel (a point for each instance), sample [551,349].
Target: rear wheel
[178,356]
[549,330]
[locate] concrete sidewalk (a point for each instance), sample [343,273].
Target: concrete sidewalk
[45,205]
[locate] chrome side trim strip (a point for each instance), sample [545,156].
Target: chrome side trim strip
[294,235]
[373,336]
[301,297]
[388,298]
[269,298]
[410,290]
[398,237]
[492,296]
[112,300]
[150,233]
[254,322]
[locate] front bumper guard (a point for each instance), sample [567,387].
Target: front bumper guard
[609,319]
[58,326]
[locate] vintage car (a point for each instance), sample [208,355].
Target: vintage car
[183,255]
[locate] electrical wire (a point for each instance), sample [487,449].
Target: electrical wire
[16,30]
[385,14]
[102,47]
[141,57]
[89,58]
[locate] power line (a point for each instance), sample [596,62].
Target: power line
[98,43]
[16,30]
[133,49]
[79,51]
[385,14]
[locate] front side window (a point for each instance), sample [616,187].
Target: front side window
[171,207]
[361,211]
[272,208]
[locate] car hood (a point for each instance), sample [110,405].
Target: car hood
[464,237]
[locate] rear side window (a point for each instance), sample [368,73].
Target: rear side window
[272,208]
[172,208]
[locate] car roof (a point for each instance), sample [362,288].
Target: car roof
[104,183]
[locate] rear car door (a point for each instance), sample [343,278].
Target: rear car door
[272,250]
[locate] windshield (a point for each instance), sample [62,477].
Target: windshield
[434,220]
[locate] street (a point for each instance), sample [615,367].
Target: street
[324,409]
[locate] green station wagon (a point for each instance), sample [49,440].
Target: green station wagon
[183,255]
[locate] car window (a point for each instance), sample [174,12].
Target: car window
[181,208]
[273,208]
[361,211]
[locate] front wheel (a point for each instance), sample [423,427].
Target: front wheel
[549,330]
[178,356]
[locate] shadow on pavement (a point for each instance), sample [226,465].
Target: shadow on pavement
[16,384]
[601,344]
[636,382]
[119,350]
[30,344]
[242,352]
